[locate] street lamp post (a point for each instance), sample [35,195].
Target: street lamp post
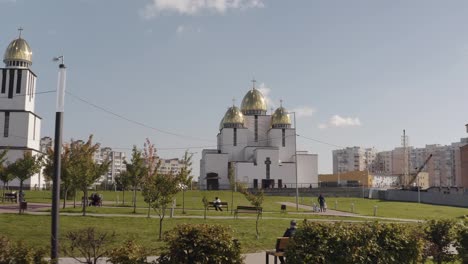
[57,159]
[295,161]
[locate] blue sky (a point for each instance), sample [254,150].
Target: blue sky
[357,72]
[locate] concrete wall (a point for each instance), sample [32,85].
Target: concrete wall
[449,199]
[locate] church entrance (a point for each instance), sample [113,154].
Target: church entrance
[268,183]
[212,181]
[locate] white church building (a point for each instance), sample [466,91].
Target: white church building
[20,126]
[261,149]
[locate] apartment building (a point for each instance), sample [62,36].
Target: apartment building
[353,159]
[116,166]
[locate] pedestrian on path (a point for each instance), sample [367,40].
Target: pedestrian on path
[321,201]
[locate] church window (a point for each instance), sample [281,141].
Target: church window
[256,128]
[11,83]
[283,136]
[3,80]
[6,126]
[18,81]
[235,137]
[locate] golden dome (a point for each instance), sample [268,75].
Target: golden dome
[254,103]
[233,117]
[18,50]
[280,118]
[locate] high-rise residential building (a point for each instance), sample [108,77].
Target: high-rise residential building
[170,166]
[20,126]
[116,166]
[354,159]
[46,143]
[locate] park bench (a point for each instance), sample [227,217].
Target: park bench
[281,244]
[11,197]
[222,204]
[247,209]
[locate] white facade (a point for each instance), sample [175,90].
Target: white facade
[20,126]
[261,149]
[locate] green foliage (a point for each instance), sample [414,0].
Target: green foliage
[256,200]
[440,235]
[20,253]
[87,243]
[129,253]
[201,244]
[184,175]
[462,243]
[371,243]
[26,167]
[135,170]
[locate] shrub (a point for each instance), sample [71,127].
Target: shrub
[354,243]
[201,243]
[88,243]
[18,252]
[462,244]
[129,253]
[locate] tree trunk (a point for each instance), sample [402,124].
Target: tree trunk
[232,200]
[85,203]
[149,209]
[183,201]
[3,192]
[134,199]
[123,196]
[20,196]
[160,227]
[74,198]
[65,192]
[256,225]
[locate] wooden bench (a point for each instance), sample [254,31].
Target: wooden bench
[223,205]
[247,209]
[11,197]
[281,244]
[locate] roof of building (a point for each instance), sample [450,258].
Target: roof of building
[253,101]
[18,50]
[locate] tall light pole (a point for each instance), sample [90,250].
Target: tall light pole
[295,161]
[62,75]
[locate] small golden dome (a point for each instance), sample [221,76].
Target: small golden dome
[18,50]
[254,103]
[233,118]
[280,118]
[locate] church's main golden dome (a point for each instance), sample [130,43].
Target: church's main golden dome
[280,118]
[18,50]
[254,103]
[233,117]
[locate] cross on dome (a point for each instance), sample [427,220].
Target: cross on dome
[20,30]
[253,83]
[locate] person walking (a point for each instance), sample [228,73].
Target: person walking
[321,201]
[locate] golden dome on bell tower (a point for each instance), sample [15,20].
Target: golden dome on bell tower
[233,118]
[18,53]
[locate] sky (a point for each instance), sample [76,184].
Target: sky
[356,72]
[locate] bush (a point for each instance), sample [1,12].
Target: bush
[201,243]
[354,243]
[18,252]
[129,253]
[462,244]
[88,243]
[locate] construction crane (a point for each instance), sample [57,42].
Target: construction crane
[415,176]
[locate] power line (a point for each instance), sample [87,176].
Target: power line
[133,121]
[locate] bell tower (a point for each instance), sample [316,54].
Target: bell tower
[20,126]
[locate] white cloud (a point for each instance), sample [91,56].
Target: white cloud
[338,121]
[304,111]
[193,7]
[180,29]
[266,94]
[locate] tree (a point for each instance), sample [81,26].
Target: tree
[123,181]
[152,166]
[5,175]
[256,200]
[232,182]
[67,182]
[158,189]
[25,167]
[87,243]
[184,175]
[84,171]
[136,170]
